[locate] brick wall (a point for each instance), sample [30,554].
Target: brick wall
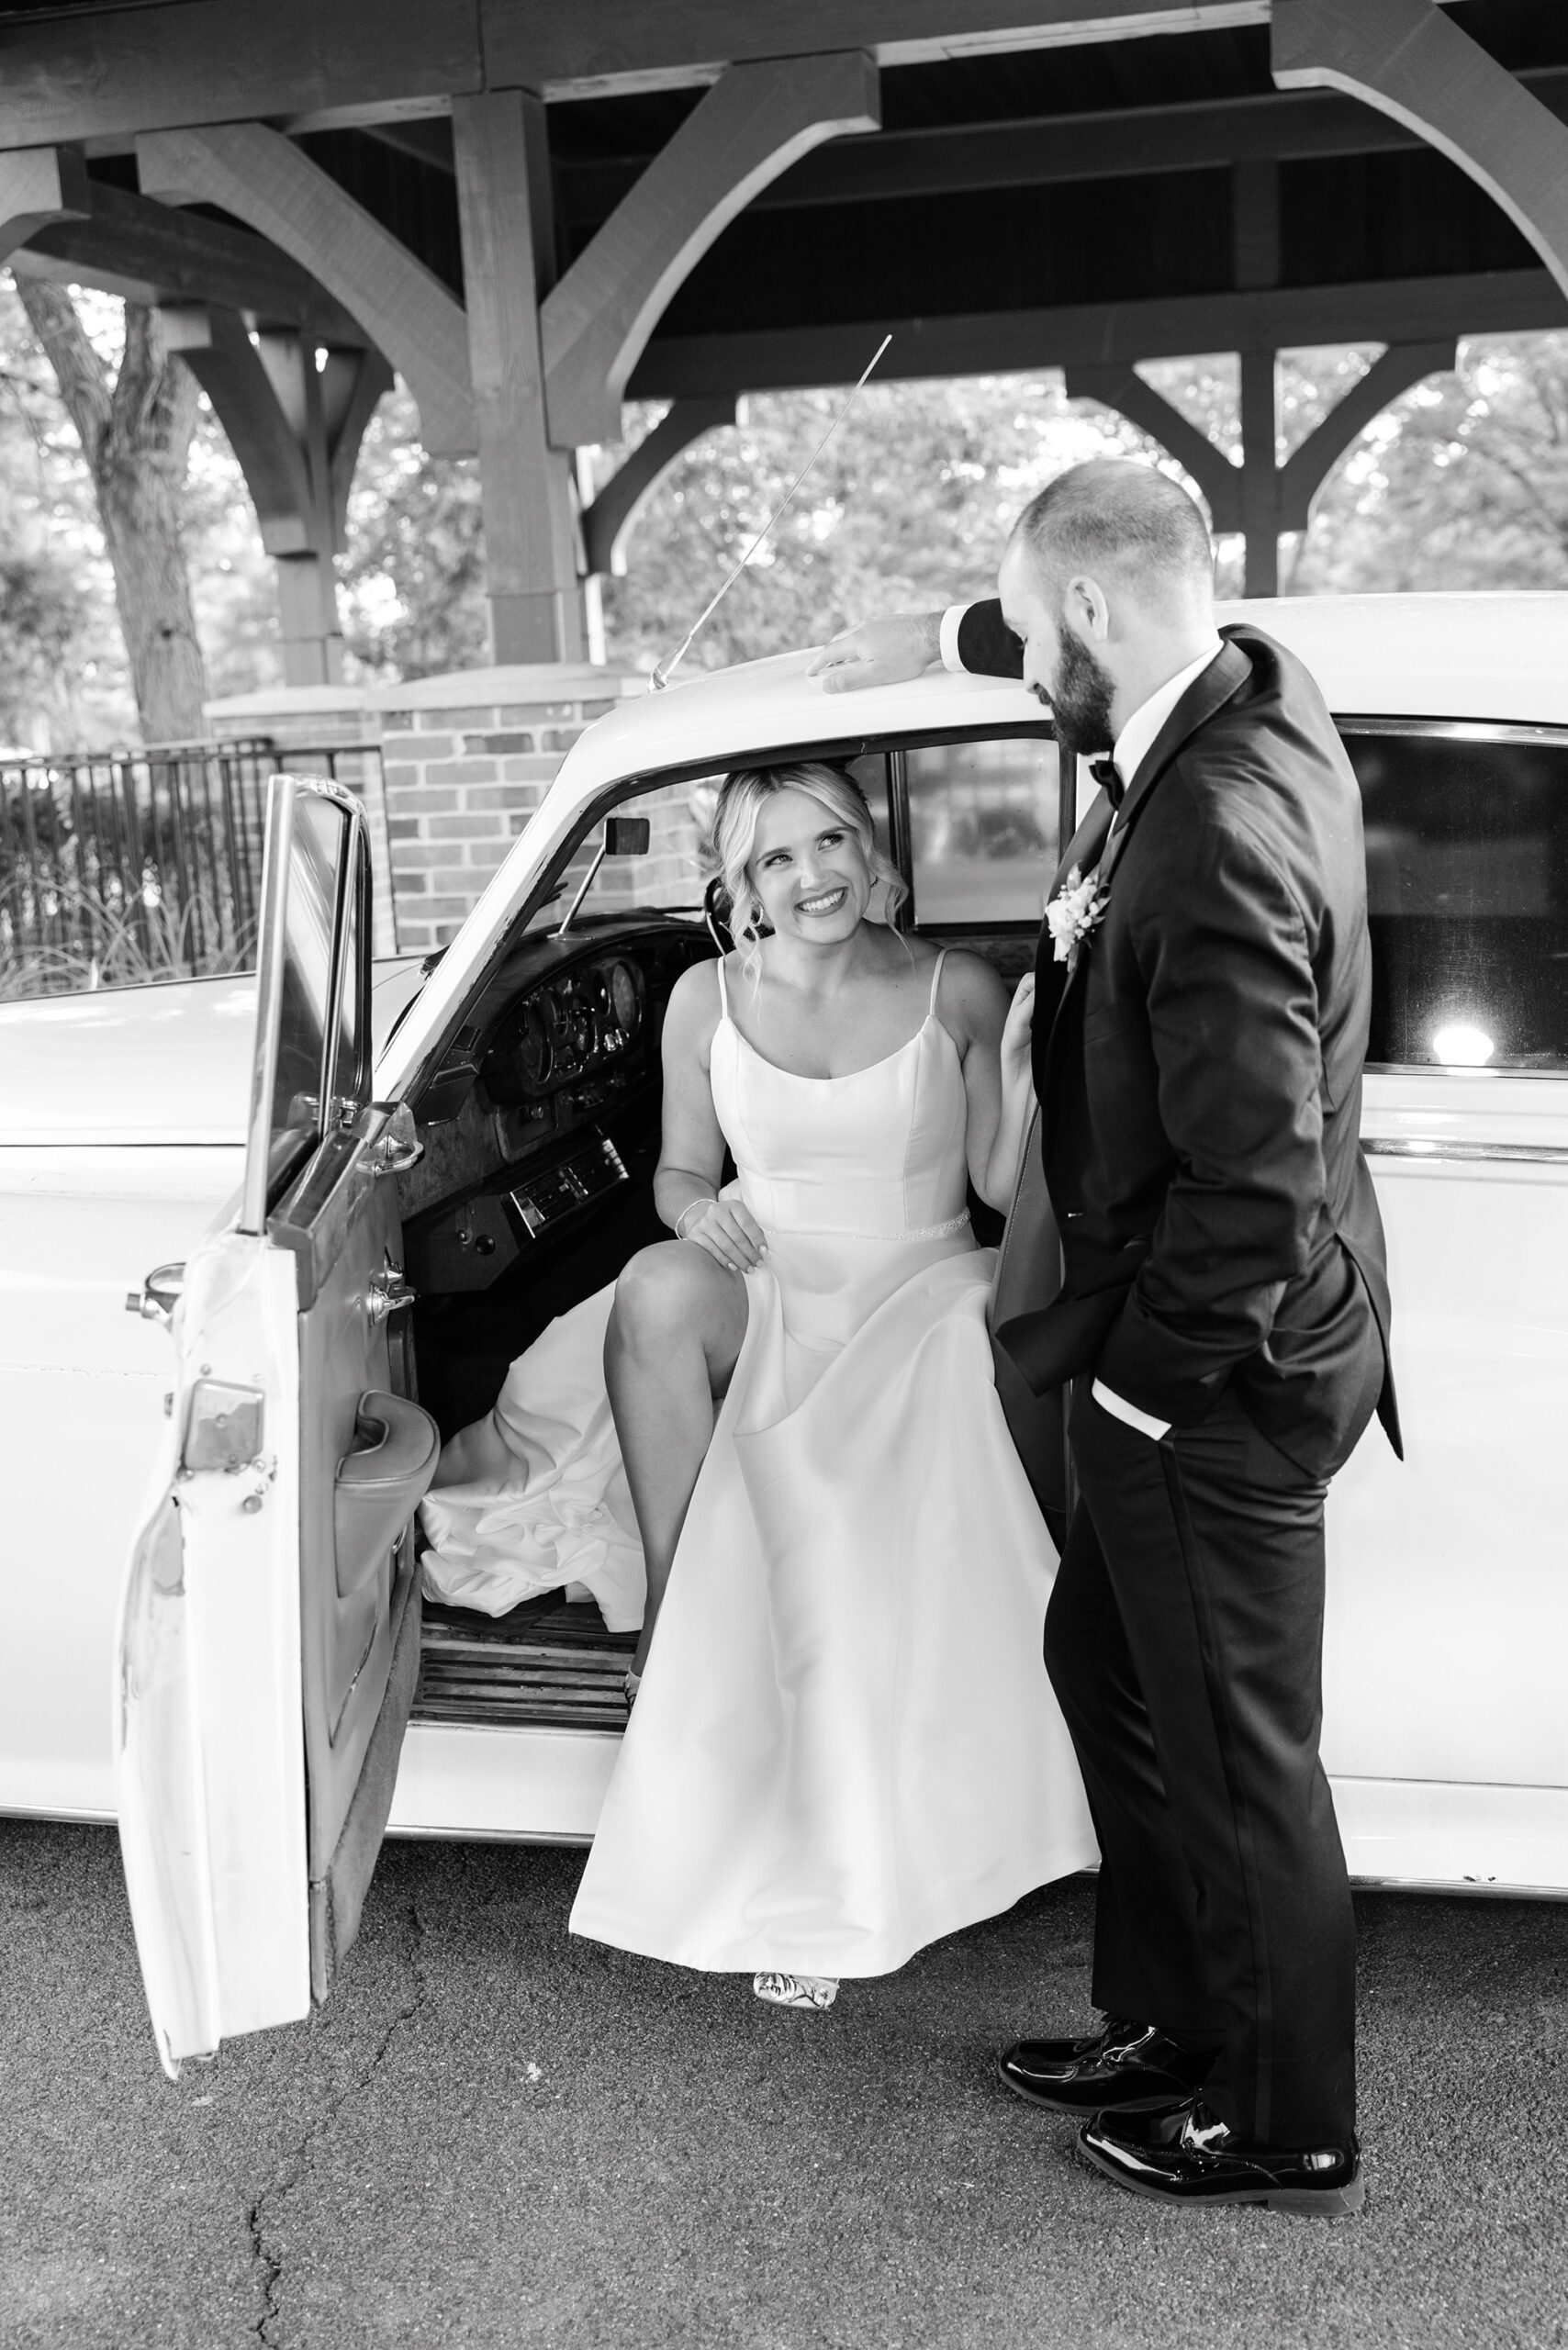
[465,760]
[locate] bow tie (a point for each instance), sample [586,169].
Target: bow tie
[1108,776]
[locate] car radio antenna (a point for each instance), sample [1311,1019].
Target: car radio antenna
[671,662]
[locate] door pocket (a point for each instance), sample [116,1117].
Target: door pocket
[380,1483]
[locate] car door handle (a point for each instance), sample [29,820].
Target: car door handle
[390,1290]
[159,1293]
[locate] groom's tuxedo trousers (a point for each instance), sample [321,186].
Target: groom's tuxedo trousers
[1199,1073]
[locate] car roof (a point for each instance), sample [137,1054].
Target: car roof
[1477,656]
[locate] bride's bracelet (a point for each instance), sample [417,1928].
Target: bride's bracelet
[703,1200]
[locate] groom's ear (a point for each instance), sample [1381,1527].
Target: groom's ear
[1085,609]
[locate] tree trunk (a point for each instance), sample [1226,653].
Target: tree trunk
[135,435]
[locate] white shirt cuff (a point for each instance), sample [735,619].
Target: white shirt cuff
[1120,1409]
[947,638]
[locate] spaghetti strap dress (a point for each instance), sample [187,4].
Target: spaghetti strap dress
[844,1744]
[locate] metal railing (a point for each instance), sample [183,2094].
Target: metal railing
[124,866]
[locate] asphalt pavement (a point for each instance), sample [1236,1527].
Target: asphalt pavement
[496,2135]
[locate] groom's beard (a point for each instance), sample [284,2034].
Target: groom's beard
[1080,697]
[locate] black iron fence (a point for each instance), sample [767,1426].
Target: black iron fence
[120,868]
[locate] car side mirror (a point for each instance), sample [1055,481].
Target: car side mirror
[627,835]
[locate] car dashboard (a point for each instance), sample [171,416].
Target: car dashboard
[546,1101]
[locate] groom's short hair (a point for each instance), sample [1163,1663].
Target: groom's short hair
[1115,516]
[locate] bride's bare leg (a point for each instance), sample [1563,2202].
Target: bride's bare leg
[674,1337]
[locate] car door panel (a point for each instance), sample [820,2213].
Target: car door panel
[1448,1608]
[269,1633]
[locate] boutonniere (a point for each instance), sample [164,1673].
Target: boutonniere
[1072,913]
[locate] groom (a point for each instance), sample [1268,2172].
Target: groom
[1200,1026]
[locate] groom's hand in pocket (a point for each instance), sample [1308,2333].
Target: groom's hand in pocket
[732,1236]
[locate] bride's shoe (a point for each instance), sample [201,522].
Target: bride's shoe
[631,1684]
[796,1990]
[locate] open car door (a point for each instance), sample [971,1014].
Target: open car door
[269,1631]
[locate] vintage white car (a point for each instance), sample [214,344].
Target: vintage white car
[349,1244]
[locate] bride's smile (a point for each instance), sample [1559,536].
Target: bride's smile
[812,880]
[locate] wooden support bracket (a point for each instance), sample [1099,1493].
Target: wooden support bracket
[1409,60]
[607,522]
[1304,471]
[751,126]
[39,185]
[264,179]
[295,431]
[226,364]
[1123,389]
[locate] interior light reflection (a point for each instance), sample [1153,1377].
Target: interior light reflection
[1459,1044]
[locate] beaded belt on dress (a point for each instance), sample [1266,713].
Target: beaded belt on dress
[858,1232]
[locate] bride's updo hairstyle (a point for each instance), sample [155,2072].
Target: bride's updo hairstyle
[742,799]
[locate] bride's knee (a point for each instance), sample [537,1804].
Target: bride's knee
[660,1293]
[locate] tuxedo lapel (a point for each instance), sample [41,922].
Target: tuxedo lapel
[1096,847]
[1223,678]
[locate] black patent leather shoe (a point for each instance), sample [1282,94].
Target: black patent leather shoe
[1186,2155]
[1124,2067]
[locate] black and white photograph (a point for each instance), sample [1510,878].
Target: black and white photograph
[784,1174]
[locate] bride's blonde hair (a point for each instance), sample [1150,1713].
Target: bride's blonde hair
[742,799]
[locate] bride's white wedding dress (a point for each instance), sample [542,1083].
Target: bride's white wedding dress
[844,1744]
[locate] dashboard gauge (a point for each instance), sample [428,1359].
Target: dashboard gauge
[534,1048]
[623,999]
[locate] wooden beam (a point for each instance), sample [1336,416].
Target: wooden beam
[117,72]
[567,49]
[39,185]
[1123,389]
[123,241]
[530,552]
[608,522]
[1514,301]
[754,123]
[263,178]
[1046,151]
[1307,468]
[1408,60]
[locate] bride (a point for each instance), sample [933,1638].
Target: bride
[843,1743]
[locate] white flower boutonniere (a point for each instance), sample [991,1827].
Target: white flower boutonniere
[1072,913]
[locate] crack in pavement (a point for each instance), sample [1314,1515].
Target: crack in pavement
[266,2258]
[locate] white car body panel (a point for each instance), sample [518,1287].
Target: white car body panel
[1448,1610]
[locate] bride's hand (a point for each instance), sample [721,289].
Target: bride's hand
[1016,1034]
[728,1234]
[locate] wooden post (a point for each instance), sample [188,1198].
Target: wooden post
[531,538]
[1411,60]
[1259,475]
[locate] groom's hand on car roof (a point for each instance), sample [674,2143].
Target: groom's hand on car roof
[878,652]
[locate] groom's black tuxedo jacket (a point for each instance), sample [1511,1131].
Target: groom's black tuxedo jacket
[1200,1072]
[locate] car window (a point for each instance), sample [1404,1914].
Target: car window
[673,874]
[1467,895]
[983,829]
